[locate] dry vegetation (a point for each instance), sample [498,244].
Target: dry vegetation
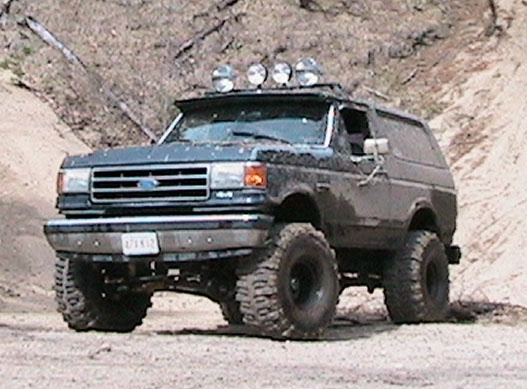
[147,53]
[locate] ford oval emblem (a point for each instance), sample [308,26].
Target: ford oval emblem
[148,183]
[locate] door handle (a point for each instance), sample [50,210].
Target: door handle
[378,170]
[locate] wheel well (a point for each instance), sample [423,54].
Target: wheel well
[424,219]
[298,208]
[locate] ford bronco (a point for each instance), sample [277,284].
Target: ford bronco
[268,201]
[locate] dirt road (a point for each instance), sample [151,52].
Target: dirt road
[192,349]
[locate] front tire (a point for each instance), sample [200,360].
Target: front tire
[416,280]
[230,310]
[291,290]
[84,304]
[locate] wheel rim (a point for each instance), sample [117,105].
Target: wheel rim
[433,286]
[304,283]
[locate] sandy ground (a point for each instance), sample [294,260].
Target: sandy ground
[33,143]
[185,349]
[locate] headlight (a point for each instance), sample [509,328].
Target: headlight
[238,175]
[73,181]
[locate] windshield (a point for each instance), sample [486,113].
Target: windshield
[292,122]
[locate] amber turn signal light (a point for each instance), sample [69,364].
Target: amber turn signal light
[256,176]
[60,183]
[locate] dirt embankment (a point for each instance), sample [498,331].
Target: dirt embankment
[148,53]
[33,142]
[484,133]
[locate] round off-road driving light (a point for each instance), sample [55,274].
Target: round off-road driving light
[308,72]
[257,74]
[223,78]
[282,73]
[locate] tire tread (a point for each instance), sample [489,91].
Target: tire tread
[257,289]
[81,310]
[404,294]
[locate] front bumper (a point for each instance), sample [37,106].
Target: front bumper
[179,237]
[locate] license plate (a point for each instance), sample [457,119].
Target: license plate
[140,243]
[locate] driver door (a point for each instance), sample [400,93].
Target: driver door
[365,207]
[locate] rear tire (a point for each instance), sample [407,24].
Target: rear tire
[291,289]
[416,280]
[84,305]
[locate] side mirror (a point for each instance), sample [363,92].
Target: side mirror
[379,146]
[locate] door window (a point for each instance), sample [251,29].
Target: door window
[409,140]
[354,129]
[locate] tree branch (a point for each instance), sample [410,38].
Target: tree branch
[223,5]
[50,39]
[493,25]
[188,44]
[310,5]
[6,9]
[377,93]
[410,77]
[44,34]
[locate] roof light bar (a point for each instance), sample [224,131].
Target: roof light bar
[223,78]
[308,72]
[282,73]
[257,74]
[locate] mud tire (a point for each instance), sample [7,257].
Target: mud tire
[84,306]
[416,280]
[291,289]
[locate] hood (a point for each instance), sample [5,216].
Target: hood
[192,152]
[172,153]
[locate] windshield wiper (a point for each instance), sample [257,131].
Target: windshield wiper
[256,135]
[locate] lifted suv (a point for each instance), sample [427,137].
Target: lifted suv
[268,202]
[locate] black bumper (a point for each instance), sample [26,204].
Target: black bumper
[180,238]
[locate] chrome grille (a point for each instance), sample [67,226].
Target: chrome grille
[150,183]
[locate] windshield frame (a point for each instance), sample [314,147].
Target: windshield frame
[330,125]
[173,124]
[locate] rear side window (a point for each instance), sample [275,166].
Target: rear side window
[410,141]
